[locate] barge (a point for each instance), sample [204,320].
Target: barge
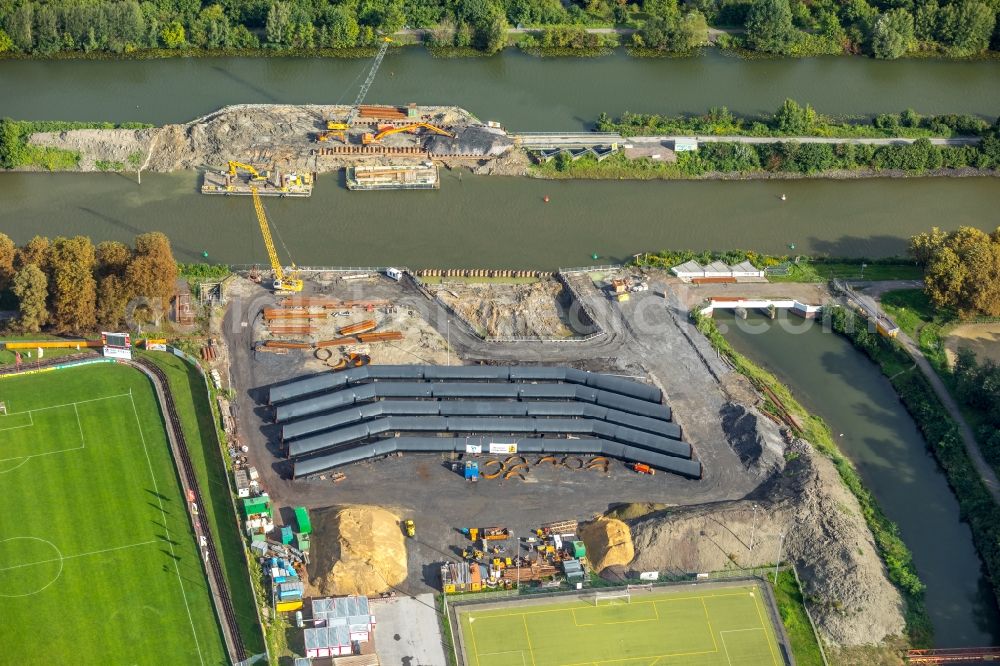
[393,177]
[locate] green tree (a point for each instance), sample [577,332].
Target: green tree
[278,18]
[11,146]
[6,43]
[966,27]
[691,32]
[72,284]
[343,29]
[173,35]
[893,34]
[793,119]
[769,26]
[31,287]
[7,252]
[20,26]
[961,269]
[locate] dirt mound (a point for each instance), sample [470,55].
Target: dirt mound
[508,310]
[756,440]
[982,339]
[845,582]
[357,550]
[609,543]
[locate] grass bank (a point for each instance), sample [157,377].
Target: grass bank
[201,432]
[15,151]
[894,553]
[791,607]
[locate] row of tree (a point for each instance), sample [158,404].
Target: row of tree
[978,386]
[884,28]
[961,269]
[68,285]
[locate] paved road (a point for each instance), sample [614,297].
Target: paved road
[874,290]
[937,141]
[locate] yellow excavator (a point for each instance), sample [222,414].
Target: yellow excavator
[369,138]
[254,174]
[282,283]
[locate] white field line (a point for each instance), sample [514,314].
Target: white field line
[30,423]
[163,515]
[71,557]
[29,412]
[722,635]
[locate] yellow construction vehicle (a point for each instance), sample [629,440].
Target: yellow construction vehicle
[282,283]
[254,174]
[338,129]
[368,137]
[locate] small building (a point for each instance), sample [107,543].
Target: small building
[685,144]
[327,642]
[718,269]
[619,286]
[573,570]
[351,613]
[746,269]
[688,270]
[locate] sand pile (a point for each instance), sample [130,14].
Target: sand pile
[609,543]
[357,550]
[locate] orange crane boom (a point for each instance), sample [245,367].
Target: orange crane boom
[369,138]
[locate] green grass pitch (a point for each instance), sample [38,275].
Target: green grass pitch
[98,562]
[725,626]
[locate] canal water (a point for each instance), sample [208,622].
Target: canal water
[489,221]
[871,426]
[523,92]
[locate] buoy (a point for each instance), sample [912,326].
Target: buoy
[205,254]
[594,256]
[791,246]
[545,198]
[783,197]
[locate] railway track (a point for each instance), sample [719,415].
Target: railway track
[224,603]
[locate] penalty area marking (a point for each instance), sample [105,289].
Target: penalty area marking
[29,412]
[61,559]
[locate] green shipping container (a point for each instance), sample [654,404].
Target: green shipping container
[259,537]
[579,550]
[302,541]
[302,518]
[255,505]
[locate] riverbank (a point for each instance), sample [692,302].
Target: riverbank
[894,553]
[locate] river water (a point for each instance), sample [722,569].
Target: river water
[871,426]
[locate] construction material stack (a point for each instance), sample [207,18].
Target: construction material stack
[258,518]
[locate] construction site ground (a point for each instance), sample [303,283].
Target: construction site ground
[649,337]
[280,136]
[497,310]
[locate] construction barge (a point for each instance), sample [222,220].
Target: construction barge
[242,179]
[393,177]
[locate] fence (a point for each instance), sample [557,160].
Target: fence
[591,269]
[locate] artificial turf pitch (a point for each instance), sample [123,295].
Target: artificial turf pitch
[98,562]
[725,626]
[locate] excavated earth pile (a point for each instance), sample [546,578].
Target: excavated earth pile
[608,542]
[509,310]
[825,535]
[356,550]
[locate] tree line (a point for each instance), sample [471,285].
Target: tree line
[882,28]
[795,119]
[961,269]
[69,285]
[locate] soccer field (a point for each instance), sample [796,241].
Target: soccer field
[725,626]
[98,563]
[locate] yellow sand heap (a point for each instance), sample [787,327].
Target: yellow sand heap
[609,543]
[358,550]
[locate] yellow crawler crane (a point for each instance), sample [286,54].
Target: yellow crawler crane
[338,128]
[282,283]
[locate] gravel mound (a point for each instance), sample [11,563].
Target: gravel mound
[608,542]
[755,439]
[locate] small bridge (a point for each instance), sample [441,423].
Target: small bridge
[954,656]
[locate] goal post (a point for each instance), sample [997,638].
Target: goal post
[611,597]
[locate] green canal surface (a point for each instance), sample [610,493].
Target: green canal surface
[492,221]
[871,426]
[523,92]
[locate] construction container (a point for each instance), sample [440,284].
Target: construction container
[495,533]
[302,541]
[258,537]
[286,534]
[253,506]
[302,520]
[579,550]
[288,606]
